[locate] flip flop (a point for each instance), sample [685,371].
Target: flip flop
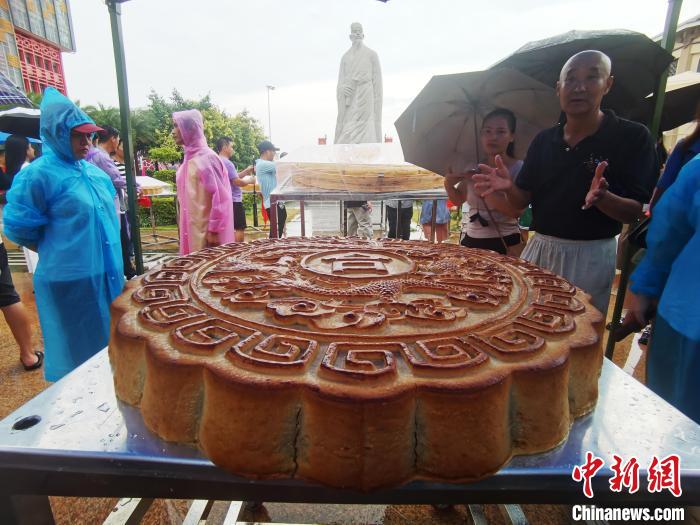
[39,362]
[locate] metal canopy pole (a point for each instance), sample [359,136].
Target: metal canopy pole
[668,40]
[114,8]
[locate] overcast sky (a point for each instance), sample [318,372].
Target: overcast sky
[232,49]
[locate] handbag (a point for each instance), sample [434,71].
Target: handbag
[514,250]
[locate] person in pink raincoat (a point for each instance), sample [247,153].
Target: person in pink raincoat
[203,189]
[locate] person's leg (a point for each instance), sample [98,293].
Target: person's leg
[406,216]
[20,325]
[239,221]
[129,270]
[391,218]
[352,222]
[364,223]
[14,312]
[441,232]
[281,219]
[427,230]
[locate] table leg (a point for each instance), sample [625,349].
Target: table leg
[302,218]
[153,222]
[513,514]
[433,221]
[344,215]
[381,217]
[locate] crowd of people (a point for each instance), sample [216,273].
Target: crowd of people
[583,178]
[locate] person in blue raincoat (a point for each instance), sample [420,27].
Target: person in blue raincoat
[63,207]
[667,276]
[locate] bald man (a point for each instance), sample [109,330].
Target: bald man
[584,177]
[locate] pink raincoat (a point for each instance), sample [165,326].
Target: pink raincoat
[203,189]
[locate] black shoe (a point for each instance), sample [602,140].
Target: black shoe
[646,334]
[39,362]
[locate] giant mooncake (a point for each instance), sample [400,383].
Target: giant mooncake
[354,363]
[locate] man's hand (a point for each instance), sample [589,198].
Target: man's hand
[246,172]
[212,239]
[599,186]
[250,179]
[642,308]
[491,179]
[347,90]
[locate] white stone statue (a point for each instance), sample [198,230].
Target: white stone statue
[359,93]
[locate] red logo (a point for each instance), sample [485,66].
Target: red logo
[626,475]
[586,472]
[664,474]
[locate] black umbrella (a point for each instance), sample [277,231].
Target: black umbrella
[20,121]
[680,104]
[637,62]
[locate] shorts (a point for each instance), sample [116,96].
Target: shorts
[8,294]
[239,216]
[442,216]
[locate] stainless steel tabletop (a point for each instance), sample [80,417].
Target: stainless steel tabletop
[89,444]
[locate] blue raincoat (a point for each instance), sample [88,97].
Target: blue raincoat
[669,271]
[65,208]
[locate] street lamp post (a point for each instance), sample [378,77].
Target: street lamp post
[269,119]
[114,8]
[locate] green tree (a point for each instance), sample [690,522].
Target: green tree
[167,151]
[104,115]
[247,134]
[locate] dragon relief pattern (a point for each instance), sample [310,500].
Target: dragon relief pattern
[365,304]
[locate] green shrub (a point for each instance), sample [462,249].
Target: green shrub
[163,211]
[166,176]
[248,202]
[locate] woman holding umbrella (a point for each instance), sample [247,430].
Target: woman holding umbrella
[493,222]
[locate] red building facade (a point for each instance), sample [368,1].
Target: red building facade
[33,36]
[41,64]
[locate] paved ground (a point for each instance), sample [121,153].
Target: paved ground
[17,387]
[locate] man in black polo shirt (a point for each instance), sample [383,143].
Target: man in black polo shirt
[585,177]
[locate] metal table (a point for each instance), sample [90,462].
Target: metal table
[166,239]
[287,191]
[89,444]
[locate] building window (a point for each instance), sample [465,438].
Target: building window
[46,62]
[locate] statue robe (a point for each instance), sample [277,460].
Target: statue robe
[360,114]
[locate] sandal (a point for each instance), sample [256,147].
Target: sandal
[39,362]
